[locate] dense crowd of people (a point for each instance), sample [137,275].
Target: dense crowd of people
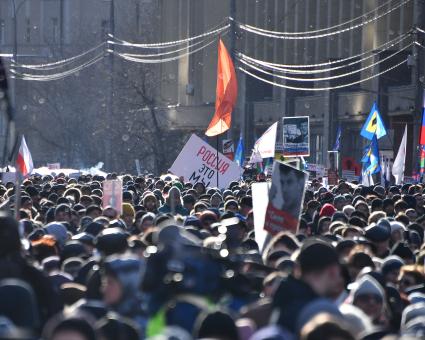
[181,261]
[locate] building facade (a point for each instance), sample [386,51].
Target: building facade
[184,90]
[261,104]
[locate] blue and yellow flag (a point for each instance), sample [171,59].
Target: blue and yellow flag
[370,160]
[374,125]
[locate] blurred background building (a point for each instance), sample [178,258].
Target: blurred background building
[180,94]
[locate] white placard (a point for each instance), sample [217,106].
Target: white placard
[197,162]
[53,166]
[260,201]
[8,177]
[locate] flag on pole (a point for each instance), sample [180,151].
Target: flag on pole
[422,132]
[374,125]
[371,161]
[255,157]
[388,172]
[226,93]
[383,167]
[24,162]
[422,162]
[400,160]
[385,172]
[304,164]
[240,152]
[265,145]
[337,145]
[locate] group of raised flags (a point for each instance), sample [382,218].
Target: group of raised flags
[373,129]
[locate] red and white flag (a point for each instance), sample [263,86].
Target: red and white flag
[24,162]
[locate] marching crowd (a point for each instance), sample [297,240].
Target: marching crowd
[181,261]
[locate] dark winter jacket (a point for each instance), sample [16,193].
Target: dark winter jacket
[290,298]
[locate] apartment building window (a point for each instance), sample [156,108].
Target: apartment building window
[104,29]
[28,30]
[2,31]
[55,30]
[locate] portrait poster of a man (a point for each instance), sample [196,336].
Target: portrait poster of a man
[296,136]
[285,198]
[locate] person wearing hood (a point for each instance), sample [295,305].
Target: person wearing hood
[121,280]
[173,203]
[150,203]
[369,296]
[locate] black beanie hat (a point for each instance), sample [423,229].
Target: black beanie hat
[315,255]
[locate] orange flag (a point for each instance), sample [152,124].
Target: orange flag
[226,93]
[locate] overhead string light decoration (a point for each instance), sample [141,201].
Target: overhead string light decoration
[305,68]
[75,64]
[214,31]
[313,34]
[58,75]
[326,88]
[143,60]
[160,54]
[329,77]
[66,67]
[60,63]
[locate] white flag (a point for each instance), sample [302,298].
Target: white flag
[255,157]
[367,180]
[400,160]
[388,170]
[265,145]
[383,165]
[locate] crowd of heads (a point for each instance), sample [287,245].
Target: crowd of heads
[182,261]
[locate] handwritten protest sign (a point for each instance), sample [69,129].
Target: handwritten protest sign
[112,194]
[286,197]
[198,162]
